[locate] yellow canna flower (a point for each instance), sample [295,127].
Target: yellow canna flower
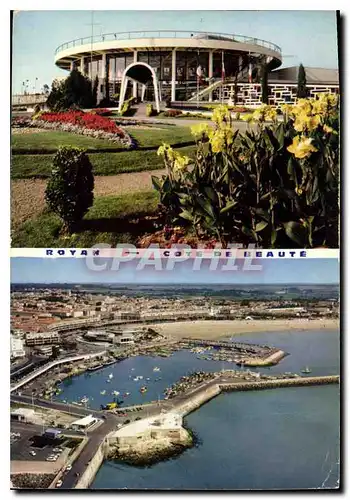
[180,162]
[199,130]
[298,191]
[329,130]
[287,109]
[301,147]
[306,122]
[259,115]
[248,118]
[220,114]
[163,149]
[271,114]
[217,141]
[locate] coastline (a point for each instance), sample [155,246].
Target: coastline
[214,329]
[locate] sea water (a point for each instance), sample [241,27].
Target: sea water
[283,438]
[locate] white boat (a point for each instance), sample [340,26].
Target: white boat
[156,369]
[115,393]
[305,370]
[110,376]
[84,399]
[103,392]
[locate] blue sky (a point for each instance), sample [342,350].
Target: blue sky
[309,37]
[70,270]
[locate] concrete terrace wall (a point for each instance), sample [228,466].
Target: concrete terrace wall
[91,470]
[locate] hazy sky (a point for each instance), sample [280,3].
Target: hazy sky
[70,270]
[309,37]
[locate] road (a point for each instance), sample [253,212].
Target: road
[95,440]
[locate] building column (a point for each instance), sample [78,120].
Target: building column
[71,66]
[82,66]
[103,77]
[210,73]
[134,84]
[173,75]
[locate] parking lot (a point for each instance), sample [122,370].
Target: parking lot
[31,446]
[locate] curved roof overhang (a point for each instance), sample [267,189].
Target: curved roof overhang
[64,57]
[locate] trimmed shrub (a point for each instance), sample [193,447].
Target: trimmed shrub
[69,192]
[126,108]
[172,113]
[150,110]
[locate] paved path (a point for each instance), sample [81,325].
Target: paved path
[28,195]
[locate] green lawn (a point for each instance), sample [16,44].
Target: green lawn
[51,140]
[156,135]
[145,137]
[111,219]
[40,166]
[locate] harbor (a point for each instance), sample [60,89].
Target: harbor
[177,385]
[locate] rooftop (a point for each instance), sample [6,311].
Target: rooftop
[201,35]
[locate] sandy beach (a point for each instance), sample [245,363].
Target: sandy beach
[219,329]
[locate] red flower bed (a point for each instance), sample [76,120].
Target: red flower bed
[84,120]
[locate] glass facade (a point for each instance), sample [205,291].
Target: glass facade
[187,63]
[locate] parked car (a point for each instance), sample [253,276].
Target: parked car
[33,453]
[59,483]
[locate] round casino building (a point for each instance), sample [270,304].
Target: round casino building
[168,66]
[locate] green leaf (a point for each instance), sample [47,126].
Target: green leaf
[206,205]
[296,232]
[228,207]
[249,232]
[211,193]
[260,226]
[156,183]
[185,214]
[273,237]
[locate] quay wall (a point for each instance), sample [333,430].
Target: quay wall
[273,359]
[197,400]
[212,390]
[91,470]
[269,384]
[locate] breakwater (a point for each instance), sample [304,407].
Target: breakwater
[163,435]
[192,400]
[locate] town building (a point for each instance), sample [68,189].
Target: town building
[17,347]
[34,339]
[186,67]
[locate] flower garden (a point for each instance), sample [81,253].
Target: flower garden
[93,124]
[274,185]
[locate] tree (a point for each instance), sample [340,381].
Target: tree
[69,192]
[55,100]
[74,91]
[78,92]
[301,90]
[264,84]
[94,92]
